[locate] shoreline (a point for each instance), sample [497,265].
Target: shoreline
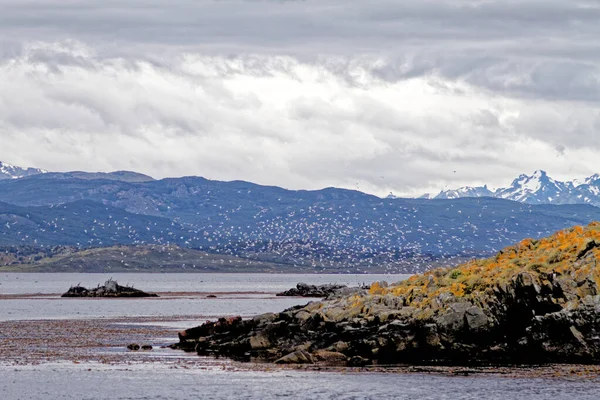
[90,343]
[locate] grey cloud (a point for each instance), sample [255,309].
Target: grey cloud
[303,93]
[266,22]
[481,42]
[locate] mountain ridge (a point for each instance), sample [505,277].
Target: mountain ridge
[8,171]
[332,229]
[328,230]
[538,188]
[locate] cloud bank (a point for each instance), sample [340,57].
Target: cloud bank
[393,96]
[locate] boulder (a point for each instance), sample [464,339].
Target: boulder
[259,341]
[297,357]
[330,357]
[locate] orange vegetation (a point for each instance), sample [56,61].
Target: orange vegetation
[573,252]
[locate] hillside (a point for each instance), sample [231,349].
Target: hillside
[568,256]
[82,223]
[330,228]
[143,258]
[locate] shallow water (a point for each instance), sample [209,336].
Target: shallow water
[168,382]
[59,308]
[238,294]
[167,374]
[19,283]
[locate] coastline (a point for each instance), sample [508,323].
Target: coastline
[93,343]
[88,342]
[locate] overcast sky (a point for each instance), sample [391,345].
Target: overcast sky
[383,96]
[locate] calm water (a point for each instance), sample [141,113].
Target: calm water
[14,283]
[261,299]
[119,383]
[165,381]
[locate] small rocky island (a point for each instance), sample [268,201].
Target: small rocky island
[110,289]
[535,302]
[323,291]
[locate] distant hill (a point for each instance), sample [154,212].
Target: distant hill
[332,228]
[141,258]
[82,223]
[122,176]
[8,171]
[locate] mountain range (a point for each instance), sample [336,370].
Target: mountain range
[8,171]
[537,188]
[332,229]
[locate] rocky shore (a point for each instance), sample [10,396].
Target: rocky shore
[109,289]
[535,302]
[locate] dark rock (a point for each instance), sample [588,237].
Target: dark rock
[306,290]
[330,357]
[110,289]
[211,328]
[475,319]
[358,361]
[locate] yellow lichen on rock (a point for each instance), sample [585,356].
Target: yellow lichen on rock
[574,251]
[377,289]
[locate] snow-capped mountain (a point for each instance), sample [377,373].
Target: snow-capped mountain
[466,191]
[538,188]
[590,180]
[8,171]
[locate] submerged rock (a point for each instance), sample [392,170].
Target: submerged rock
[110,289]
[535,302]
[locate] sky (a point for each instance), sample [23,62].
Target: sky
[381,96]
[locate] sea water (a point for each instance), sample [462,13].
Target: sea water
[238,294]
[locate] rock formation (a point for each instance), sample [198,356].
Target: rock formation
[110,289]
[535,302]
[327,290]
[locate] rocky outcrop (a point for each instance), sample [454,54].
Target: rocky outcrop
[536,302]
[136,347]
[322,291]
[110,289]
